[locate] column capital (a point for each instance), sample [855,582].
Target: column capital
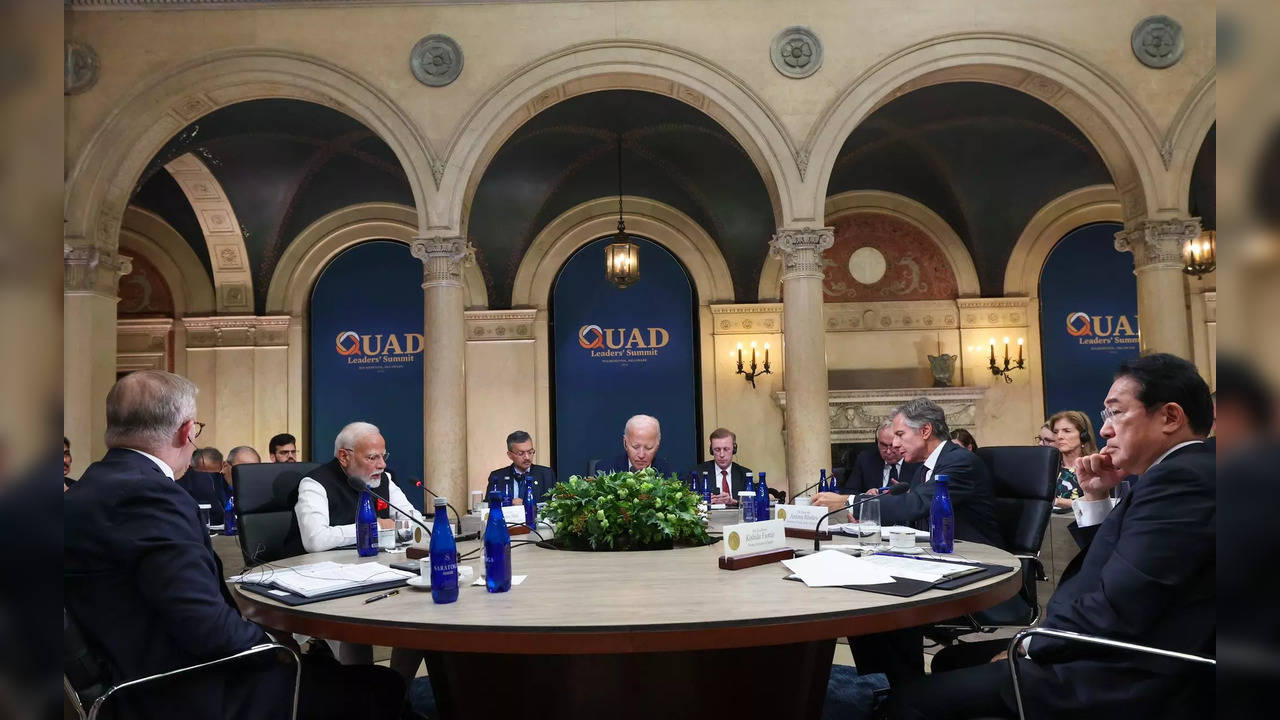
[1157,244]
[88,268]
[442,259]
[801,250]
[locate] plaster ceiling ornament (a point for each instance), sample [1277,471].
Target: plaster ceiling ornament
[436,60]
[796,52]
[1157,42]
[80,70]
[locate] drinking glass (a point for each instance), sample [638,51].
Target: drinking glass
[869,523]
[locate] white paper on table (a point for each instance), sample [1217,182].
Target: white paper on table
[831,568]
[913,569]
[515,580]
[322,577]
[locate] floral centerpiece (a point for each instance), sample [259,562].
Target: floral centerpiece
[625,511]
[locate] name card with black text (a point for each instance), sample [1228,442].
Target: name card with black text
[752,538]
[802,517]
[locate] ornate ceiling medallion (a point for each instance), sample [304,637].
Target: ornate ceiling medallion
[1157,42]
[436,60]
[796,52]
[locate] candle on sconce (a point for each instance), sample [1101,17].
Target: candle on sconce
[739,353]
[993,351]
[753,353]
[1019,351]
[1006,351]
[766,353]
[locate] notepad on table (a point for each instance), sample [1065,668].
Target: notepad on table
[913,569]
[322,577]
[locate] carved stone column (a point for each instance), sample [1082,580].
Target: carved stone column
[808,431]
[91,276]
[1162,299]
[444,440]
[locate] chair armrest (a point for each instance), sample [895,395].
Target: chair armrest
[1092,640]
[263,649]
[1034,561]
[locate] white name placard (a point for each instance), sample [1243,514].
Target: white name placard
[513,514]
[803,517]
[748,538]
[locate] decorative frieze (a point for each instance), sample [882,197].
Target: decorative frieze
[764,318]
[142,344]
[801,251]
[854,415]
[90,269]
[442,259]
[500,324]
[1157,244]
[237,331]
[992,312]
[913,315]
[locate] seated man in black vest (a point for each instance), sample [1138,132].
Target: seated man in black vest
[522,470]
[1145,575]
[640,440]
[726,476]
[141,579]
[326,506]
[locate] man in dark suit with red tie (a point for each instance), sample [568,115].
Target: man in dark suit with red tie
[1145,574]
[727,477]
[142,581]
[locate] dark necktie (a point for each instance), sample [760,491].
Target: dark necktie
[724,481]
[893,473]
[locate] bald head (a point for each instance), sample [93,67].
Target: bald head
[640,439]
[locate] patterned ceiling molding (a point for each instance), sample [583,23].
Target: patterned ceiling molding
[906,315]
[855,414]
[232,277]
[759,319]
[237,331]
[500,324]
[993,312]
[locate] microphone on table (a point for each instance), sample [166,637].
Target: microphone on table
[898,489]
[360,485]
[418,483]
[798,494]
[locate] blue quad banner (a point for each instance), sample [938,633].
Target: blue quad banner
[366,354]
[620,353]
[1088,320]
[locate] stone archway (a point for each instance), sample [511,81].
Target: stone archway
[1196,116]
[1123,134]
[625,65]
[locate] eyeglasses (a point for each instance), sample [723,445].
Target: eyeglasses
[372,457]
[199,429]
[523,453]
[1108,414]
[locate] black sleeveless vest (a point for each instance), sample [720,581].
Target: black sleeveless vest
[343,498]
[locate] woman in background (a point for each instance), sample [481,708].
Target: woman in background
[965,439]
[1073,436]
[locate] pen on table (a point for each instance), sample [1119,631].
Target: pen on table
[383,596]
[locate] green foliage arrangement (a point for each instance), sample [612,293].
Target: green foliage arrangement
[625,511]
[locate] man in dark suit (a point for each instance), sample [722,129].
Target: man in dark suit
[142,581]
[728,477]
[1145,574]
[522,470]
[640,440]
[878,468]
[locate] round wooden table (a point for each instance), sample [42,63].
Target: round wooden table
[629,634]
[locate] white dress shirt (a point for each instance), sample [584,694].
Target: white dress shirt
[164,466]
[931,462]
[313,515]
[884,476]
[1092,512]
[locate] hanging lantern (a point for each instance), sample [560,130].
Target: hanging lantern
[622,262]
[1200,255]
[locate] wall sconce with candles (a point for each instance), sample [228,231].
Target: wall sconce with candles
[1007,368]
[751,376]
[1200,255]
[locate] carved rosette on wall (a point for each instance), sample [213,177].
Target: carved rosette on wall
[1157,42]
[801,251]
[909,315]
[855,414]
[89,269]
[1157,244]
[436,60]
[762,319]
[992,312]
[80,68]
[500,324]
[442,259]
[796,52]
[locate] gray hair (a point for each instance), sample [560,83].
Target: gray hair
[884,425]
[239,450]
[145,408]
[206,453]
[348,436]
[517,437]
[635,422]
[921,411]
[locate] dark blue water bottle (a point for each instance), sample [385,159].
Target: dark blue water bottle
[762,499]
[530,504]
[229,516]
[506,491]
[706,490]
[942,520]
[497,549]
[751,483]
[444,556]
[822,480]
[366,526]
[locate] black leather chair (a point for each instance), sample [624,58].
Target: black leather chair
[265,496]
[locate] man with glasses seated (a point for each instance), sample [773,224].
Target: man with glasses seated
[327,503]
[521,470]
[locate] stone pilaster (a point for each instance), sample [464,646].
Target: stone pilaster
[444,382]
[808,431]
[1162,299]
